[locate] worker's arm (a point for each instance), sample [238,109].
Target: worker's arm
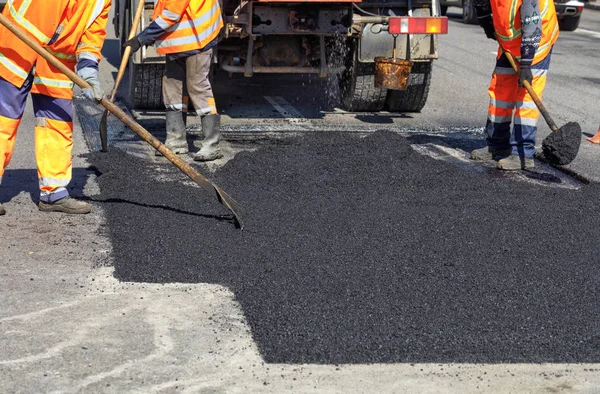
[483,10]
[170,15]
[90,47]
[531,34]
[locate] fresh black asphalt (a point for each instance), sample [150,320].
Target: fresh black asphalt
[364,251]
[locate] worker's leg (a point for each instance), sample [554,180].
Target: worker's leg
[12,106]
[202,97]
[175,98]
[53,108]
[502,91]
[527,113]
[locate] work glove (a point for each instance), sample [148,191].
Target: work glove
[90,75]
[525,75]
[488,26]
[134,43]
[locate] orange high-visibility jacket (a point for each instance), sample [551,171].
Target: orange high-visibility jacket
[189,24]
[507,22]
[69,29]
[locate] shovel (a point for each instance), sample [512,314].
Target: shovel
[208,186]
[562,145]
[104,120]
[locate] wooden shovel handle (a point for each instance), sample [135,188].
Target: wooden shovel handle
[127,52]
[532,93]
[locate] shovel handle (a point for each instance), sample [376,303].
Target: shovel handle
[219,194]
[532,93]
[127,52]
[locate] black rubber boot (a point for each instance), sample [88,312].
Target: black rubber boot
[211,125]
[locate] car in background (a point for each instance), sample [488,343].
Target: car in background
[568,12]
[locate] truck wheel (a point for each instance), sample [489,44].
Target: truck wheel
[443,10]
[569,23]
[412,99]
[357,85]
[469,16]
[145,86]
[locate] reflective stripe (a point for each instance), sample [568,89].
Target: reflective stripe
[500,119]
[61,55]
[18,71]
[525,121]
[501,103]
[198,21]
[537,72]
[19,17]
[97,10]
[162,23]
[55,83]
[190,39]
[527,105]
[171,15]
[54,182]
[208,110]
[176,107]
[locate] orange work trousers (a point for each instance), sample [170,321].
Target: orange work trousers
[508,100]
[51,94]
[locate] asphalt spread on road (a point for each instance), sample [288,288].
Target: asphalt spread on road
[360,250]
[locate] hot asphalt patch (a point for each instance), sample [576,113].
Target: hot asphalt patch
[360,250]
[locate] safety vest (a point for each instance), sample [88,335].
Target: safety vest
[66,28]
[507,23]
[189,25]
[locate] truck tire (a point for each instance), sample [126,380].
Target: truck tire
[357,85]
[412,99]
[443,10]
[145,86]
[569,23]
[469,16]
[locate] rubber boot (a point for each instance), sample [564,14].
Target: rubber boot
[2,210]
[176,136]
[211,125]
[489,154]
[65,205]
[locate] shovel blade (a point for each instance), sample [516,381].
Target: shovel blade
[561,146]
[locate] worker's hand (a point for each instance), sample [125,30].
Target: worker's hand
[488,26]
[90,75]
[134,43]
[525,75]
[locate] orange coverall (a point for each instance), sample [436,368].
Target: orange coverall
[74,32]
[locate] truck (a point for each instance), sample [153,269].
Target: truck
[342,38]
[567,11]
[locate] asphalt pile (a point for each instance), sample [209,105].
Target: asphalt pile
[360,250]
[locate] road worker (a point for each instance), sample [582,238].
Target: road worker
[527,30]
[73,31]
[186,31]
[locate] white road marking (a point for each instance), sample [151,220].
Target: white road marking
[285,109]
[590,32]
